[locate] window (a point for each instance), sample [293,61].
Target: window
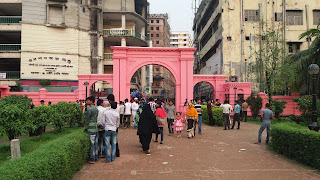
[229,38]
[247,38]
[151,35]
[294,17]
[158,21]
[157,35]
[151,21]
[184,34]
[294,47]
[157,69]
[278,17]
[251,15]
[316,17]
[185,40]
[151,28]
[56,14]
[184,44]
[157,28]
[157,42]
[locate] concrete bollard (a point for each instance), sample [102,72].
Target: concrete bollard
[15,148]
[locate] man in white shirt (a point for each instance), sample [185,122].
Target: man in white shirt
[101,110]
[227,108]
[127,113]
[111,121]
[135,106]
[152,104]
[121,111]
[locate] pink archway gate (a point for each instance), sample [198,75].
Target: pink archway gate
[179,61]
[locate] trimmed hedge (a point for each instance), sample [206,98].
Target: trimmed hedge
[296,142]
[216,113]
[58,159]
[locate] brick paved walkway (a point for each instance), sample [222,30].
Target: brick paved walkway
[214,155]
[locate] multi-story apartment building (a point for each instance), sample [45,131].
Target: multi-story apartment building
[180,39]
[125,23]
[49,39]
[163,85]
[227,33]
[59,39]
[159,30]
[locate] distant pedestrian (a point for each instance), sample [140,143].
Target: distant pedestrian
[236,115]
[42,102]
[266,116]
[227,108]
[161,118]
[209,108]
[146,126]
[121,111]
[127,113]
[90,126]
[192,118]
[218,104]
[111,121]
[111,99]
[178,124]
[170,110]
[152,104]
[134,107]
[244,111]
[199,110]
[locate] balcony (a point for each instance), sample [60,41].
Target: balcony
[9,75]
[10,47]
[107,56]
[158,77]
[133,38]
[10,19]
[10,23]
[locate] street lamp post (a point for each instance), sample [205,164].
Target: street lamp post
[235,94]
[86,84]
[313,70]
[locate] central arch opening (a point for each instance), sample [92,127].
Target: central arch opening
[154,81]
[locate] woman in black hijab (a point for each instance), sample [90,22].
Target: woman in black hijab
[147,125]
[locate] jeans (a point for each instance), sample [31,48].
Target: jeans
[93,136]
[200,123]
[101,150]
[161,132]
[226,119]
[110,138]
[126,120]
[170,122]
[244,114]
[121,118]
[236,117]
[211,120]
[263,126]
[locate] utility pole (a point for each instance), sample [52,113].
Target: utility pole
[241,36]
[260,50]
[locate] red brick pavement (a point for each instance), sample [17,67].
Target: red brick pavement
[214,155]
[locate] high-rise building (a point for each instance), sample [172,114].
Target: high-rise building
[159,30]
[59,39]
[163,85]
[49,39]
[227,33]
[180,39]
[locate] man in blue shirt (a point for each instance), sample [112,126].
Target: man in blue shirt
[236,115]
[266,116]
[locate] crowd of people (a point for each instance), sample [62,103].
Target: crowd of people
[150,117]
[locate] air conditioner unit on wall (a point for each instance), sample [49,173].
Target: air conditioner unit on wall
[233,78]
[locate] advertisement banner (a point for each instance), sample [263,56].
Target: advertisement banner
[213,64]
[3,75]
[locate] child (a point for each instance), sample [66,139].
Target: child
[178,124]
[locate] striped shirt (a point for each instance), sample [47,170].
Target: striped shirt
[198,108]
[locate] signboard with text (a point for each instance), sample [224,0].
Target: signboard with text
[3,75]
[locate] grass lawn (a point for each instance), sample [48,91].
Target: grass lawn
[274,121]
[32,143]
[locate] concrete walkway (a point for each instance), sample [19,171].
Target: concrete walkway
[214,155]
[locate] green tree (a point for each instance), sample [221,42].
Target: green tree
[255,104]
[13,121]
[39,116]
[272,63]
[302,59]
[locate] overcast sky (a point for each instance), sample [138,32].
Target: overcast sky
[180,13]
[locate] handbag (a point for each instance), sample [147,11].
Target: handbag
[161,121]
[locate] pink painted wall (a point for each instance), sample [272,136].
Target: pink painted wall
[53,97]
[291,107]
